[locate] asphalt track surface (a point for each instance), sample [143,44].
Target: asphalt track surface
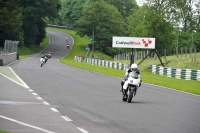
[91,101]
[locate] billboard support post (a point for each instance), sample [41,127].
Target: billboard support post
[132,58]
[148,55]
[159,58]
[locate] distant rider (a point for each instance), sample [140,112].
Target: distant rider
[134,67]
[42,58]
[46,58]
[67,45]
[49,55]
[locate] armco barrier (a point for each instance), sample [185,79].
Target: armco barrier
[100,62]
[187,74]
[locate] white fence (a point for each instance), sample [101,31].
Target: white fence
[187,74]
[100,62]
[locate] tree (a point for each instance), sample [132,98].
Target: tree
[197,40]
[71,11]
[34,14]
[182,14]
[10,21]
[124,6]
[103,18]
[147,23]
[185,14]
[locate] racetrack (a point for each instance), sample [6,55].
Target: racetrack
[93,101]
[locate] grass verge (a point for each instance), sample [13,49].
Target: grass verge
[191,86]
[25,52]
[3,131]
[184,63]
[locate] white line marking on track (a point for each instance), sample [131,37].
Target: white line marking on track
[39,98]
[24,84]
[11,79]
[35,94]
[82,130]
[46,103]
[174,90]
[30,90]
[55,110]
[22,123]
[66,118]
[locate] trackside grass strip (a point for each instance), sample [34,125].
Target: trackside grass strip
[3,132]
[25,52]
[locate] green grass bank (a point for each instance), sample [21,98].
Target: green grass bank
[26,52]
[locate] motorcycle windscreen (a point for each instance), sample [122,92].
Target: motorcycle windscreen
[134,75]
[134,78]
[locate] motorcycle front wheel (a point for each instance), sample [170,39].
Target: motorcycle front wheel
[130,94]
[124,96]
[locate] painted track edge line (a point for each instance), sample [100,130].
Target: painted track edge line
[12,80]
[82,130]
[66,118]
[175,90]
[25,124]
[24,84]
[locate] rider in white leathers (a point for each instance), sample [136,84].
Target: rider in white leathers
[42,58]
[134,67]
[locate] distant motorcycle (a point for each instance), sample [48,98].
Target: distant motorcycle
[42,61]
[130,87]
[46,58]
[67,45]
[49,56]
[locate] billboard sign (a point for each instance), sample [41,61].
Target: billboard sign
[133,42]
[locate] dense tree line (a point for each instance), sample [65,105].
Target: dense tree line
[24,20]
[10,21]
[171,22]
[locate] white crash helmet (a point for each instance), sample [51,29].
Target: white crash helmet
[134,67]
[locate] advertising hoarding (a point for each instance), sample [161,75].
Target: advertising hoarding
[133,42]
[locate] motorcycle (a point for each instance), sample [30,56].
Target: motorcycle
[68,46]
[49,56]
[42,61]
[130,86]
[46,58]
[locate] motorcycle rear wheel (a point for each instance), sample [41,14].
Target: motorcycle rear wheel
[42,64]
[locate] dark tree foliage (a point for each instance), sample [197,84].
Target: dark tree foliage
[34,13]
[71,11]
[24,20]
[10,21]
[102,19]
